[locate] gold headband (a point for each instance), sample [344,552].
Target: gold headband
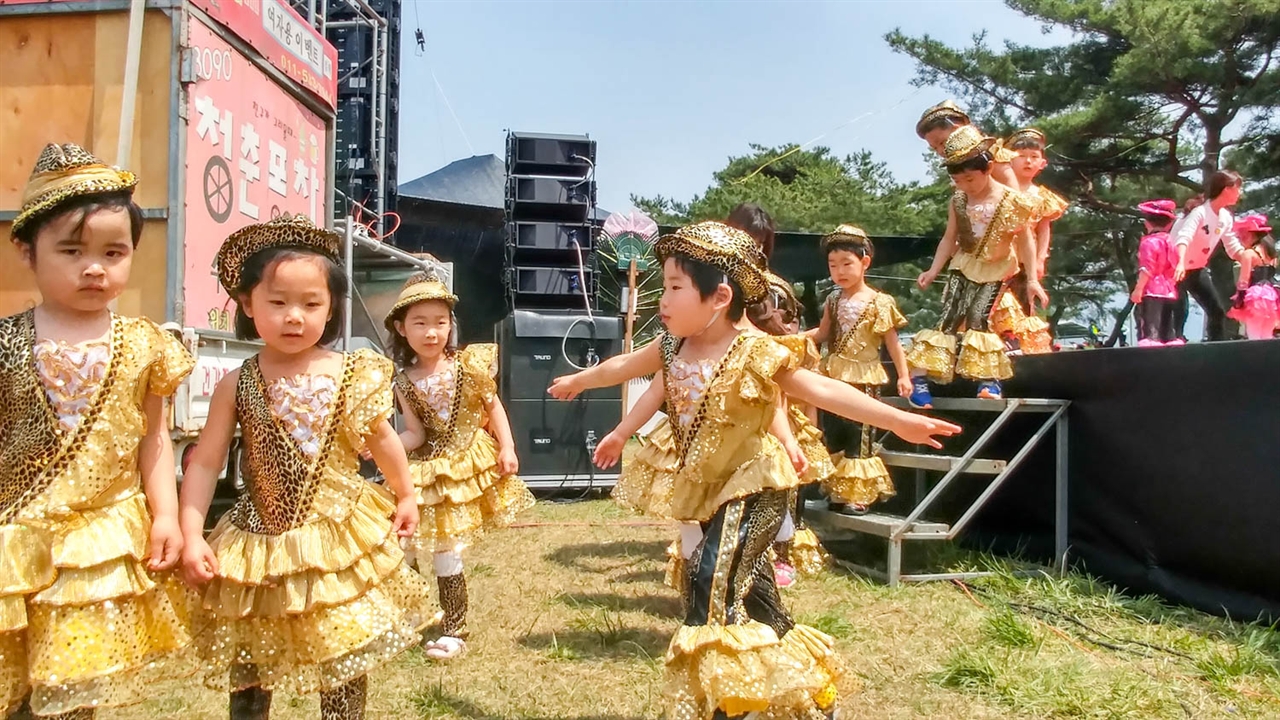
[945,109]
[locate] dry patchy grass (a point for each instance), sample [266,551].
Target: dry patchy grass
[570,619]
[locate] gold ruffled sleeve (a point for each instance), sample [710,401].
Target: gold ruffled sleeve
[1052,205]
[480,364]
[1002,154]
[371,398]
[888,317]
[172,363]
[802,347]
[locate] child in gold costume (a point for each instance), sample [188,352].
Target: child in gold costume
[88,502]
[988,236]
[857,320]
[938,122]
[305,584]
[738,652]
[465,480]
[1012,316]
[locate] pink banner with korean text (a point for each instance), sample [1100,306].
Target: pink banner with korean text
[284,38]
[253,152]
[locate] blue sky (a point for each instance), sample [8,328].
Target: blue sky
[671,90]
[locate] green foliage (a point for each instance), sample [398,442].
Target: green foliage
[812,190]
[1146,100]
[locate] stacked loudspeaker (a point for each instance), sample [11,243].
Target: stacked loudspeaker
[553,329]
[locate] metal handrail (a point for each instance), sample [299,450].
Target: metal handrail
[957,468]
[1017,459]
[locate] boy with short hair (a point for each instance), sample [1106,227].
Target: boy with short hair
[988,236]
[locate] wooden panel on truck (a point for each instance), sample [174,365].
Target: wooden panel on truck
[62,82]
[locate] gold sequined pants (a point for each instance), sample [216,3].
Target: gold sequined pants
[730,578]
[967,304]
[345,702]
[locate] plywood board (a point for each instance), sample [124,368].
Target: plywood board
[62,82]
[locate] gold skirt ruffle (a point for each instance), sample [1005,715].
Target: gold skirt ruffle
[746,668]
[856,372]
[859,481]
[811,442]
[312,608]
[82,622]
[807,554]
[934,352]
[982,357]
[319,650]
[1032,331]
[455,505]
[645,483]
[673,572]
[695,500]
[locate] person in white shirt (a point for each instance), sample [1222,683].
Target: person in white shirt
[1195,237]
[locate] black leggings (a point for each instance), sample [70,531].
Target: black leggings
[1199,284]
[1157,319]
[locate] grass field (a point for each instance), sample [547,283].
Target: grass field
[570,619]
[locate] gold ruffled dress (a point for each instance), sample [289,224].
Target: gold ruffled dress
[854,358]
[312,590]
[455,472]
[83,623]
[644,485]
[734,478]
[986,235]
[1008,315]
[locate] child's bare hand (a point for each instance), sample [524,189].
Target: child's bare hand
[926,279]
[1136,296]
[798,460]
[366,453]
[921,429]
[508,463]
[609,451]
[1036,294]
[166,544]
[904,386]
[565,387]
[405,521]
[199,563]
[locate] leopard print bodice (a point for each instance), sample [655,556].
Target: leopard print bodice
[280,477]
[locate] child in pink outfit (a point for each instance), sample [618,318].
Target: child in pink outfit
[1257,302]
[1156,293]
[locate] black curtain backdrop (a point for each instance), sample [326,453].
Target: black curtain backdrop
[1174,482]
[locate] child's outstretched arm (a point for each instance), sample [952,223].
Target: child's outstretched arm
[894,344]
[1026,250]
[199,564]
[781,429]
[609,450]
[500,426]
[946,248]
[822,333]
[614,371]
[388,452]
[155,463]
[836,397]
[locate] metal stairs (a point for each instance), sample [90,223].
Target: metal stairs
[916,524]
